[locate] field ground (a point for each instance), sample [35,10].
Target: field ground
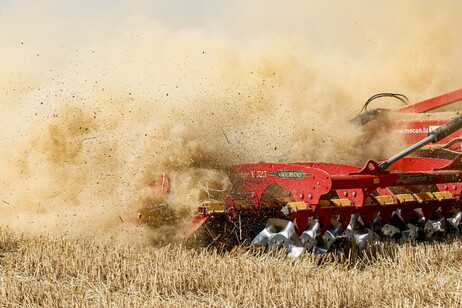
[57,272]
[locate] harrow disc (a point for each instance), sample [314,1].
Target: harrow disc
[280,234]
[437,224]
[310,236]
[455,220]
[398,229]
[331,235]
[358,234]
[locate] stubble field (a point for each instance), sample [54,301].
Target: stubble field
[99,101]
[57,272]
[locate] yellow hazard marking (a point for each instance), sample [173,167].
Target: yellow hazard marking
[297,206]
[441,195]
[214,206]
[405,198]
[341,202]
[385,199]
[424,196]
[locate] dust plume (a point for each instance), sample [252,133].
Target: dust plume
[93,112]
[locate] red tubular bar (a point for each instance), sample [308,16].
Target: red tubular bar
[433,103]
[395,179]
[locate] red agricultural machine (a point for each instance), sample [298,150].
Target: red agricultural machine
[313,206]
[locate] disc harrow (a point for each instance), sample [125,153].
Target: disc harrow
[313,206]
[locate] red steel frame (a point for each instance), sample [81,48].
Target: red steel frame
[308,182]
[433,103]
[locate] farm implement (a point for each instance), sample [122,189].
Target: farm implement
[316,206]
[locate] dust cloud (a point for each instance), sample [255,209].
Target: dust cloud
[99,102]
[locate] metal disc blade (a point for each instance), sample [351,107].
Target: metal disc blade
[360,240]
[429,229]
[376,224]
[413,232]
[262,238]
[280,234]
[406,235]
[437,226]
[357,233]
[310,235]
[295,252]
[278,241]
[439,222]
[418,219]
[330,236]
[455,220]
[390,231]
[397,228]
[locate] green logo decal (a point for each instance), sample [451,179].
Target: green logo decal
[290,174]
[415,178]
